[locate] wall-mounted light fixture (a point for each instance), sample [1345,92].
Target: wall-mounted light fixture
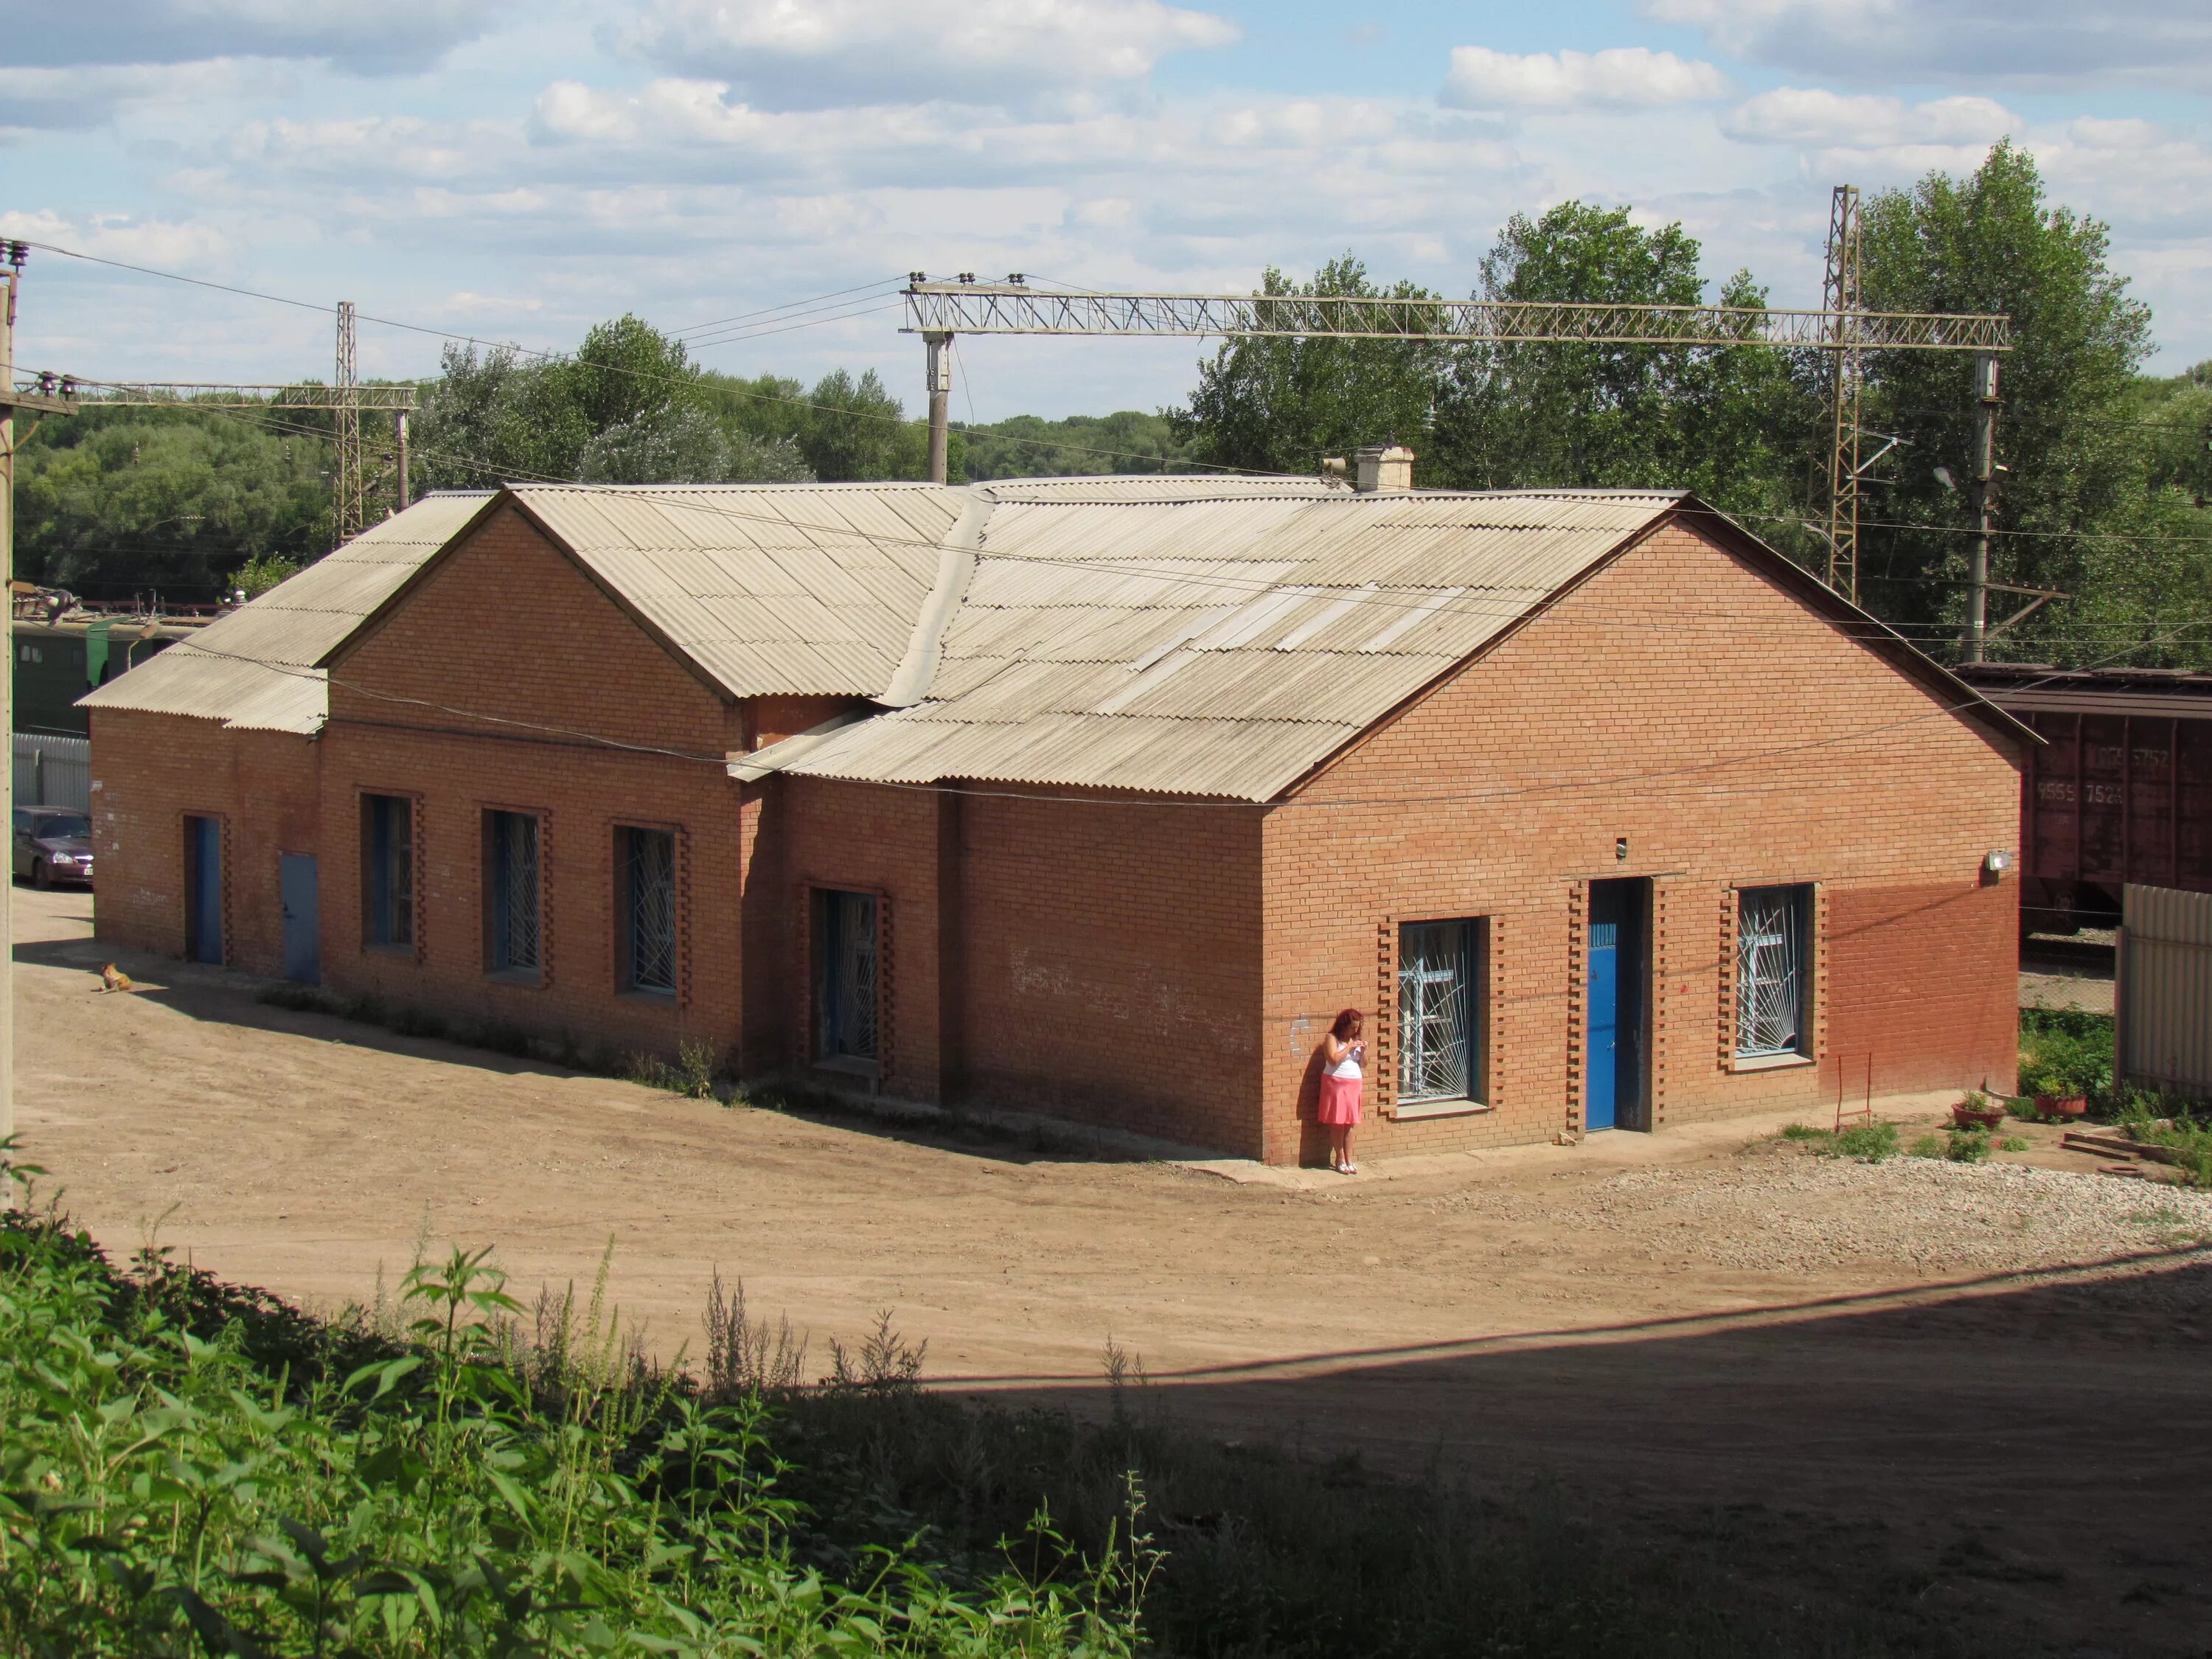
[1620,848]
[1996,862]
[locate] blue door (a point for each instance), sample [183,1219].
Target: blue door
[303,934]
[1601,1060]
[203,890]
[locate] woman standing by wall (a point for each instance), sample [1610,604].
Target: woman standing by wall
[1343,1055]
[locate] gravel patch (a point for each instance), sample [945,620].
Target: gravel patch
[1792,1213]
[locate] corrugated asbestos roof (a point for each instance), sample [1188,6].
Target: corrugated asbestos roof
[789,588]
[1196,638]
[256,668]
[1185,635]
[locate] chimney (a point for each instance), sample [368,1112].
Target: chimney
[1384,467]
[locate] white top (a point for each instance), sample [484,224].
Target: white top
[1349,1066]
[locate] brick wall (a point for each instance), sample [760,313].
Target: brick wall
[148,772]
[1110,963]
[1164,968]
[547,668]
[1680,700]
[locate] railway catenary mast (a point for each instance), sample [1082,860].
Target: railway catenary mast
[1842,329]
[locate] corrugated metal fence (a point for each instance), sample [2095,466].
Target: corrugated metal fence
[53,771]
[2165,994]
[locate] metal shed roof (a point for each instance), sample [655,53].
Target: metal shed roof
[1212,640]
[255,668]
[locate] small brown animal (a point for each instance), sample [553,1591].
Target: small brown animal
[113,978]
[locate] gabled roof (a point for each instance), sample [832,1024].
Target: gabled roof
[794,589]
[1213,642]
[257,668]
[1170,635]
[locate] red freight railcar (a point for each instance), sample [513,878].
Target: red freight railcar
[2119,791]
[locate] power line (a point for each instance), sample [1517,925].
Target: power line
[685,332]
[636,373]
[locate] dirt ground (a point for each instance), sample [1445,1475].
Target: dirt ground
[1995,1377]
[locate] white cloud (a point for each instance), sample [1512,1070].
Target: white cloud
[1619,77]
[2054,42]
[86,95]
[378,37]
[798,54]
[1813,117]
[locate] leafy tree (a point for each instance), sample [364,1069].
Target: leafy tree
[495,417]
[116,503]
[1989,242]
[1027,445]
[1278,404]
[1726,423]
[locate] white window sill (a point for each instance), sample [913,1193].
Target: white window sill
[850,1064]
[1410,1109]
[1768,1062]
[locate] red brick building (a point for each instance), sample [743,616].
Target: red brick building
[1097,799]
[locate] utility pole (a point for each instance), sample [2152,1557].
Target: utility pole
[15,254]
[1985,457]
[349,508]
[1842,300]
[44,402]
[399,495]
[939,344]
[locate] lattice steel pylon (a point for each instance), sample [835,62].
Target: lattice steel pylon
[1842,329]
[1844,305]
[350,499]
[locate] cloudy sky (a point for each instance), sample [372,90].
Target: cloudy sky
[516,170]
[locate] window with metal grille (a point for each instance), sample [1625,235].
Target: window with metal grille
[511,903]
[845,977]
[1773,938]
[1440,1006]
[387,872]
[646,870]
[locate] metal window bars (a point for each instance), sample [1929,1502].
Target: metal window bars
[1770,951]
[1436,1027]
[514,868]
[849,976]
[392,870]
[652,873]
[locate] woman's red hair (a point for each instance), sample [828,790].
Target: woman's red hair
[1347,1025]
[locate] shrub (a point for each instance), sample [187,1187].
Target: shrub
[2011,1144]
[1968,1147]
[1928,1145]
[2063,1051]
[1870,1142]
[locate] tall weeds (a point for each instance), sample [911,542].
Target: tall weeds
[186,1467]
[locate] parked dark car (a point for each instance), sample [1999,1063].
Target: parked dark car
[52,844]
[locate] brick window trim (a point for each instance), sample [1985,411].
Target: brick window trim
[542,977]
[1382,1044]
[416,817]
[886,969]
[1816,1023]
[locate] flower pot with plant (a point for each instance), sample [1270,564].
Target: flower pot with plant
[1976,1111]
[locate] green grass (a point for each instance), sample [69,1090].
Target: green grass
[2186,1127]
[1868,1142]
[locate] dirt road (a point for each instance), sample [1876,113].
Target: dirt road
[1696,1319]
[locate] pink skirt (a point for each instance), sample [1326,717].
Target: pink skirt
[1339,1100]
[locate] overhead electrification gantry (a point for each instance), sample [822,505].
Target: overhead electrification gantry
[1842,329]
